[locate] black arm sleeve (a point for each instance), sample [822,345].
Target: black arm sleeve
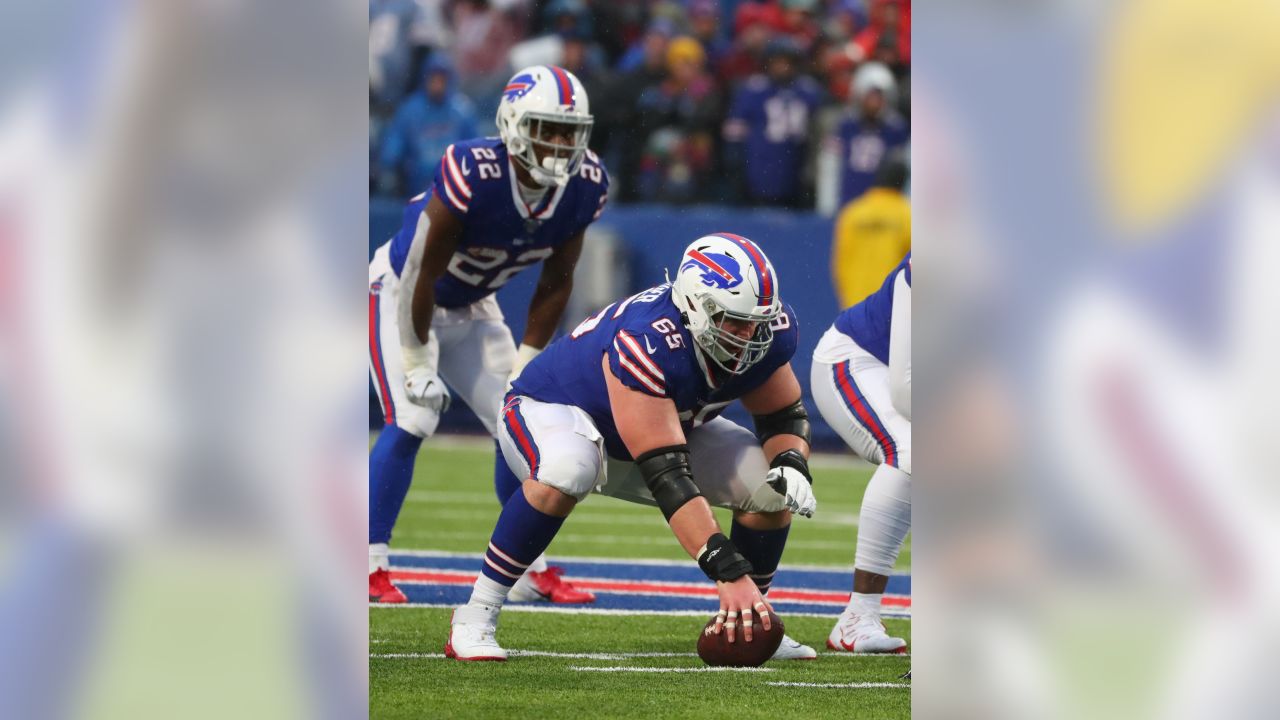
[666,473]
[790,420]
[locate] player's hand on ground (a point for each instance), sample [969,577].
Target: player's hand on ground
[795,488]
[737,601]
[425,388]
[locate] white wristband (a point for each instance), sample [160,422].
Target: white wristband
[414,356]
[525,354]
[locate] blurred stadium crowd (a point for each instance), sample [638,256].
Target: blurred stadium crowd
[800,104]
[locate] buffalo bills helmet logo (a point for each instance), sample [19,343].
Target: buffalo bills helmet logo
[718,270]
[519,86]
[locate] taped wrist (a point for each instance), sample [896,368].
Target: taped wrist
[790,420]
[792,459]
[667,475]
[721,561]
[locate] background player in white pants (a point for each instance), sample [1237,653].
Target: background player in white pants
[496,207]
[641,384]
[861,382]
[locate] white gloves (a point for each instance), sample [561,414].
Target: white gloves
[792,484]
[524,355]
[426,389]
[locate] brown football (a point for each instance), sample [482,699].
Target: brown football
[717,650]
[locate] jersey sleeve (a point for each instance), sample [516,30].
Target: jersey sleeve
[786,336]
[598,180]
[634,367]
[450,185]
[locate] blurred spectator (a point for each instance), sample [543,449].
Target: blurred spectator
[483,36]
[683,113]
[753,26]
[872,234]
[799,22]
[424,125]
[704,26]
[887,37]
[629,134]
[568,17]
[583,58]
[870,133]
[767,131]
[651,51]
[390,53]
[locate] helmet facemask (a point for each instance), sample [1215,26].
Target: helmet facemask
[550,162]
[727,349]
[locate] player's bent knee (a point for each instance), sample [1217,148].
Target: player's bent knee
[419,421]
[549,499]
[763,520]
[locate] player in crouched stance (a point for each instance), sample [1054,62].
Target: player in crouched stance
[861,382]
[627,405]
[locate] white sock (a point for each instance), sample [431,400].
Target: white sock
[884,520]
[379,557]
[865,605]
[488,594]
[539,565]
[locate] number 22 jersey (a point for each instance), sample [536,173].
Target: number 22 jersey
[649,350]
[501,234]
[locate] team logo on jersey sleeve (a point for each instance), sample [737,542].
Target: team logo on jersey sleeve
[519,86]
[718,271]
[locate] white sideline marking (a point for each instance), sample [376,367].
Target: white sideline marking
[607,655]
[479,443]
[479,535]
[574,610]
[669,670]
[840,569]
[851,686]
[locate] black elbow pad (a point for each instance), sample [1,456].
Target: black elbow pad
[790,420]
[667,474]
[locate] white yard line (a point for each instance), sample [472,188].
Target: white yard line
[605,655]
[657,540]
[668,670]
[575,610]
[849,686]
[621,561]
[482,443]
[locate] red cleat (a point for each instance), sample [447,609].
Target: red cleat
[381,590]
[551,586]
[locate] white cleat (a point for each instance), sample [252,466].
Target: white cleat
[857,634]
[789,649]
[471,635]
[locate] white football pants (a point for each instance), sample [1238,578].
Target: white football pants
[470,348]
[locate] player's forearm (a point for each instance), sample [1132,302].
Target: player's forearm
[422,306]
[693,524]
[779,444]
[545,311]
[900,348]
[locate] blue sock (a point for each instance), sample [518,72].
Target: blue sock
[761,548]
[505,482]
[522,534]
[390,472]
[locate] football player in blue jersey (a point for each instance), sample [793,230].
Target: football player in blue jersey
[496,206]
[861,381]
[628,405]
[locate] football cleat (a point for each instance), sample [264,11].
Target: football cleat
[381,589]
[854,633]
[471,636]
[548,586]
[789,649]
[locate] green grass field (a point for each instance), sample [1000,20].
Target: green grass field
[451,507]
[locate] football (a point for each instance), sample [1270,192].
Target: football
[716,649]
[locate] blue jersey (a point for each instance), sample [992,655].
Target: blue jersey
[500,234]
[863,146]
[650,350]
[773,121]
[868,322]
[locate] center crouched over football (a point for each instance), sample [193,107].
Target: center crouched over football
[715,649]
